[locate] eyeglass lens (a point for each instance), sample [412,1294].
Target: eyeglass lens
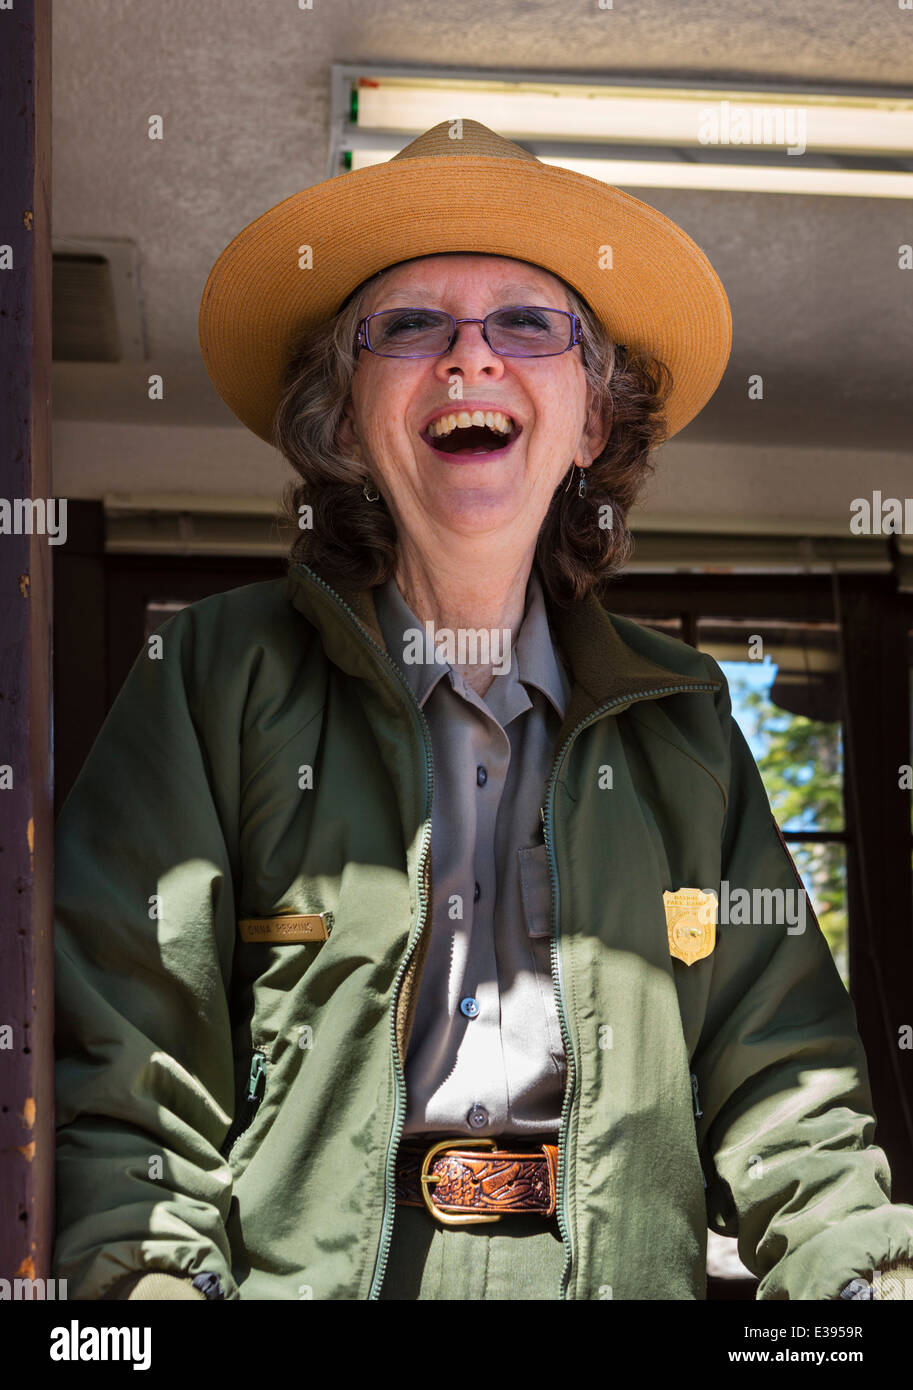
[515,332]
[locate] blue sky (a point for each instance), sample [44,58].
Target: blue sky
[755,675]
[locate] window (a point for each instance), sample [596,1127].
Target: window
[784,681]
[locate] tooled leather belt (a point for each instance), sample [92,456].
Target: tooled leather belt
[465,1181]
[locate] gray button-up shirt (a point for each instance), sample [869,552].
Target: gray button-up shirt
[486,1055]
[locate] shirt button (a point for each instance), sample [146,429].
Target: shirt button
[478,892]
[469,1006]
[478,1116]
[481,775]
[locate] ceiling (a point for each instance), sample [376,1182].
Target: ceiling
[821,310]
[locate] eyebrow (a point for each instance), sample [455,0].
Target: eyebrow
[418,293]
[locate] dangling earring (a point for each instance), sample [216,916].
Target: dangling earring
[370,492]
[581,481]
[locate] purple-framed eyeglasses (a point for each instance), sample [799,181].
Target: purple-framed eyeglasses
[522,330]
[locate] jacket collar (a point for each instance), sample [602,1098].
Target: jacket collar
[604,668]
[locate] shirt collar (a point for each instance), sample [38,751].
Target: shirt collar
[535,657]
[406,639]
[538,660]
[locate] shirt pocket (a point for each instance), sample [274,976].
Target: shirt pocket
[536,895]
[536,890]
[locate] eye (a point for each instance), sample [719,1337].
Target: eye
[522,318]
[412,321]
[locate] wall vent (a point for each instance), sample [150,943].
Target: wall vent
[97,313]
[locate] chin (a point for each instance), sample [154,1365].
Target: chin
[480,511]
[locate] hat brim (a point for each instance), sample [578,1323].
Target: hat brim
[658,291]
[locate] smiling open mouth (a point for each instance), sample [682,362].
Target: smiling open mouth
[478,432]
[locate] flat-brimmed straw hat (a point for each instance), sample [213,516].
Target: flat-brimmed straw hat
[647,281]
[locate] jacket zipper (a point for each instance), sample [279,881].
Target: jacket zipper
[251,1102]
[399,1115]
[257,1069]
[546,815]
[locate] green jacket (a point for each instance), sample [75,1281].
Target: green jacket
[235,1107]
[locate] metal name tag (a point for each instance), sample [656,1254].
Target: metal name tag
[311,926]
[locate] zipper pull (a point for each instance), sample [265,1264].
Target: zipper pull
[257,1069]
[697,1110]
[542,820]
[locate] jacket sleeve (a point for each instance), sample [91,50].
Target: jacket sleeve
[144,936]
[786,1130]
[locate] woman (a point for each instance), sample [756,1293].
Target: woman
[292,1062]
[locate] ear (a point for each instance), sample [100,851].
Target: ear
[596,432]
[347,432]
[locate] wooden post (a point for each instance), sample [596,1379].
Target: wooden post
[879,881]
[80,656]
[26,820]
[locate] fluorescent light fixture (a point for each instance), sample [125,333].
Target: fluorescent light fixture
[634,114]
[659,136]
[720,178]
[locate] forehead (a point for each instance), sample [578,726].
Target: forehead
[432,279]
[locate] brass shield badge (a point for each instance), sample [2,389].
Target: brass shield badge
[691,923]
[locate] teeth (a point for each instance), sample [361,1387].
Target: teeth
[462,420]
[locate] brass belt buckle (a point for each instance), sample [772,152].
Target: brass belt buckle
[451,1218]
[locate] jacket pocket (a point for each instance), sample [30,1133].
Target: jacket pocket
[248,1101]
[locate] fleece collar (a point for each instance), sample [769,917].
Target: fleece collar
[604,668]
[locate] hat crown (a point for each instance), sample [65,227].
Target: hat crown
[473,139]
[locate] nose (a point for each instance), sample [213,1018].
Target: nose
[469,353]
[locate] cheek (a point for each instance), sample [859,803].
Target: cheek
[382,400]
[555,438]
[560,408]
